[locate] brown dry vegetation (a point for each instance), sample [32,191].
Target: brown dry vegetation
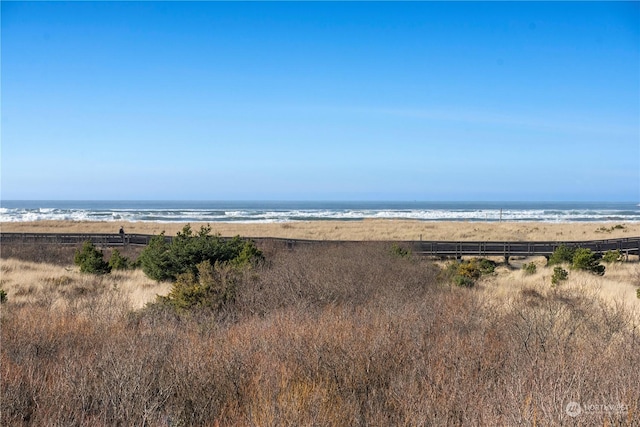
[328,334]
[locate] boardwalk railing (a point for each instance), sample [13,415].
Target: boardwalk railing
[74,239]
[628,246]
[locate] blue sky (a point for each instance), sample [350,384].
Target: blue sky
[321,101]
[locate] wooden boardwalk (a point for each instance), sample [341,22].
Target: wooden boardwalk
[75,239]
[627,246]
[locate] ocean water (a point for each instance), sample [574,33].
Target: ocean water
[274,211]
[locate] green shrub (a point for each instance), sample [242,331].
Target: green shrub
[91,260]
[3,296]
[156,260]
[470,269]
[578,258]
[212,287]
[466,273]
[638,293]
[530,268]
[559,275]
[161,260]
[586,259]
[486,266]
[562,255]
[612,256]
[118,262]
[247,253]
[399,251]
[464,281]
[134,265]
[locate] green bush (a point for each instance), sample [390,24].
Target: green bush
[466,273]
[161,260]
[638,293]
[247,253]
[486,266]
[612,256]
[118,262]
[559,275]
[156,261]
[578,258]
[586,259]
[530,268]
[3,296]
[562,255]
[470,269]
[91,260]
[212,287]
[464,281]
[399,251]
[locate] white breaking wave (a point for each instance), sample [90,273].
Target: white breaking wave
[257,215]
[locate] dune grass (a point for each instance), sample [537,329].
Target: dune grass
[365,230]
[32,283]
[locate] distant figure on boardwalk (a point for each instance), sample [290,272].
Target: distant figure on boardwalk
[122,234]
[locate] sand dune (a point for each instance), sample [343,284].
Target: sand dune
[360,230]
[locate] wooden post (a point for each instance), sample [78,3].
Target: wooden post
[507,249]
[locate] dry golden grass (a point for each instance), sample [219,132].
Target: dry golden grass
[617,286]
[359,230]
[40,283]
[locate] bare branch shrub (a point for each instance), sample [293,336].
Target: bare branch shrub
[325,335]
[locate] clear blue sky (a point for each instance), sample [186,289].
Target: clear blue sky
[321,101]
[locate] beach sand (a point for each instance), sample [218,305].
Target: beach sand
[374,229]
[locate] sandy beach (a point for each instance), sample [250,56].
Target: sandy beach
[374,229]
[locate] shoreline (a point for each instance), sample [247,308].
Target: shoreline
[362,230]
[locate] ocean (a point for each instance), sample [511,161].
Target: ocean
[285,211]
